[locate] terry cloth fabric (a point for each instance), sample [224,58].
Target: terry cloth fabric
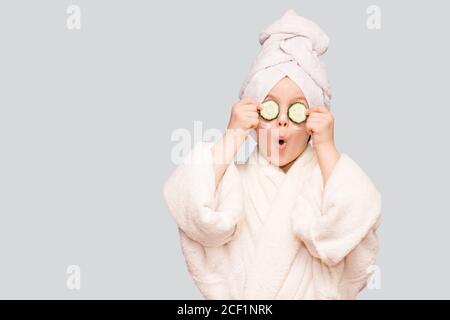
[291,46]
[266,234]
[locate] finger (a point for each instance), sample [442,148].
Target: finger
[315,120]
[247,101]
[254,123]
[318,116]
[256,106]
[312,125]
[309,130]
[250,107]
[315,124]
[250,114]
[318,109]
[312,110]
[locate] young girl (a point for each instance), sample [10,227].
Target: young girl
[297,220]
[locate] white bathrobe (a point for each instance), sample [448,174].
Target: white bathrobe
[266,234]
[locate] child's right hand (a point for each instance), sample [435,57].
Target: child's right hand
[244,116]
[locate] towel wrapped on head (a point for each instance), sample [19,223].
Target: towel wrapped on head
[291,46]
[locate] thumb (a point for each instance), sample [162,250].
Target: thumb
[308,129]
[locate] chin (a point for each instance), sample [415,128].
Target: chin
[285,160]
[280,160]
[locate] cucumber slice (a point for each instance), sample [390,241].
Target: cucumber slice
[296,112]
[270,110]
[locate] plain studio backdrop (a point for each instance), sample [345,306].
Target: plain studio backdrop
[86,119]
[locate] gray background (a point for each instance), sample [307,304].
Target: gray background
[86,118]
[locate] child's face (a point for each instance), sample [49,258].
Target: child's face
[280,140]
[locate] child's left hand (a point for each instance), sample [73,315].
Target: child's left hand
[320,124]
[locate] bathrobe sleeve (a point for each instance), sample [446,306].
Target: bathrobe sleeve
[347,212]
[205,214]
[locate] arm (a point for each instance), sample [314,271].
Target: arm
[349,210]
[320,124]
[207,214]
[244,117]
[224,151]
[327,156]
[204,194]
[344,221]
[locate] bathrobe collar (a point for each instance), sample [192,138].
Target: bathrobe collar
[273,195]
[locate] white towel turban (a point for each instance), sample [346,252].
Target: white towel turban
[291,46]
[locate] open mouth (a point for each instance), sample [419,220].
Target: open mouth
[282,143]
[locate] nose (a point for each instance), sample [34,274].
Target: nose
[282,121]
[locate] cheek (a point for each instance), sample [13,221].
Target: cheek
[298,139]
[264,130]
[265,138]
[298,133]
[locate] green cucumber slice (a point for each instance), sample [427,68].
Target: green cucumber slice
[270,110]
[296,112]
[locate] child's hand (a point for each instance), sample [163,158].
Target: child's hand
[320,124]
[244,116]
